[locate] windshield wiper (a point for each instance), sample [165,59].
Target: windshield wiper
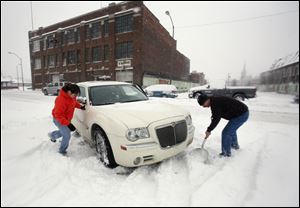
[108,103]
[128,101]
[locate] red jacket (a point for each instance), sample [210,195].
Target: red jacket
[64,108]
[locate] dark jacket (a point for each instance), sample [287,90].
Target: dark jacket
[225,107]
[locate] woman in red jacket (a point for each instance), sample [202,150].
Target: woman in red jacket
[62,113]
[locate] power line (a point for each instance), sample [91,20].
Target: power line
[238,20]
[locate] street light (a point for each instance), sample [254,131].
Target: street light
[21,67]
[168,13]
[17,75]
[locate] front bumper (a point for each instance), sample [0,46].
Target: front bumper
[148,151]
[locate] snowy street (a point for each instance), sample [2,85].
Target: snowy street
[264,172]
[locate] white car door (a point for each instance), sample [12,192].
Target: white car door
[80,115]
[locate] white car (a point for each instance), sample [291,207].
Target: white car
[162,90]
[127,128]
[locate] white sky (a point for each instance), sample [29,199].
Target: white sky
[215,48]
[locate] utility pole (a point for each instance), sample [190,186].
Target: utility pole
[17,76]
[21,67]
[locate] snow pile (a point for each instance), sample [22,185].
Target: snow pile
[264,172]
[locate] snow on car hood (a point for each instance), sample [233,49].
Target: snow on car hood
[142,113]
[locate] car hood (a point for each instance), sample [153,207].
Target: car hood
[142,113]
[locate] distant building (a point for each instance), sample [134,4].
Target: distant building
[123,42]
[283,76]
[198,77]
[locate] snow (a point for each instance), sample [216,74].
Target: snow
[264,172]
[287,60]
[161,87]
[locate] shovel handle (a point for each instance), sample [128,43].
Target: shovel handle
[203,143]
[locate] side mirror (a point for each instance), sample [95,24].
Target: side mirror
[82,100]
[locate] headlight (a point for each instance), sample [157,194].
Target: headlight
[188,120]
[137,133]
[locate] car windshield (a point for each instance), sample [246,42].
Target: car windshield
[104,95]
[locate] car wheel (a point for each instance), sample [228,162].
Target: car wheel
[104,150]
[239,97]
[196,95]
[45,92]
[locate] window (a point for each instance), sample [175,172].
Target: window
[96,54]
[87,55]
[124,50]
[51,61]
[82,92]
[36,46]
[62,38]
[96,30]
[77,35]
[37,63]
[106,27]
[124,23]
[106,52]
[64,59]
[70,36]
[50,41]
[71,57]
[87,32]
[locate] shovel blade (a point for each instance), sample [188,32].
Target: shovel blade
[200,154]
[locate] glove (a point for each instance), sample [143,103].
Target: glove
[71,127]
[82,107]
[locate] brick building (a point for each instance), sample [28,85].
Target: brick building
[123,42]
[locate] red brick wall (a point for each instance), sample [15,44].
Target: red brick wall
[154,50]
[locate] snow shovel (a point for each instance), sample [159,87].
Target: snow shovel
[201,153]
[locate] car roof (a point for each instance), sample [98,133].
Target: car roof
[101,83]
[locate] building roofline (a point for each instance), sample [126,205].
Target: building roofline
[79,17]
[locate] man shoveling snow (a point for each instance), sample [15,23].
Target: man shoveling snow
[230,109]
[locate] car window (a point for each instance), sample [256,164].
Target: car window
[82,92]
[129,91]
[61,84]
[103,95]
[50,85]
[56,84]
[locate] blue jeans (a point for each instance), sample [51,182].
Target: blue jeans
[64,132]
[229,137]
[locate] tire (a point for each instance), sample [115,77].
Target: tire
[103,149]
[197,94]
[45,92]
[239,97]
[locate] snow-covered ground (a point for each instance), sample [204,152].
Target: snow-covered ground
[264,172]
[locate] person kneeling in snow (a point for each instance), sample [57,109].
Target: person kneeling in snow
[65,104]
[230,109]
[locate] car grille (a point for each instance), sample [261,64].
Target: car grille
[172,134]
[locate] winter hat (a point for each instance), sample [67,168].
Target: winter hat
[202,98]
